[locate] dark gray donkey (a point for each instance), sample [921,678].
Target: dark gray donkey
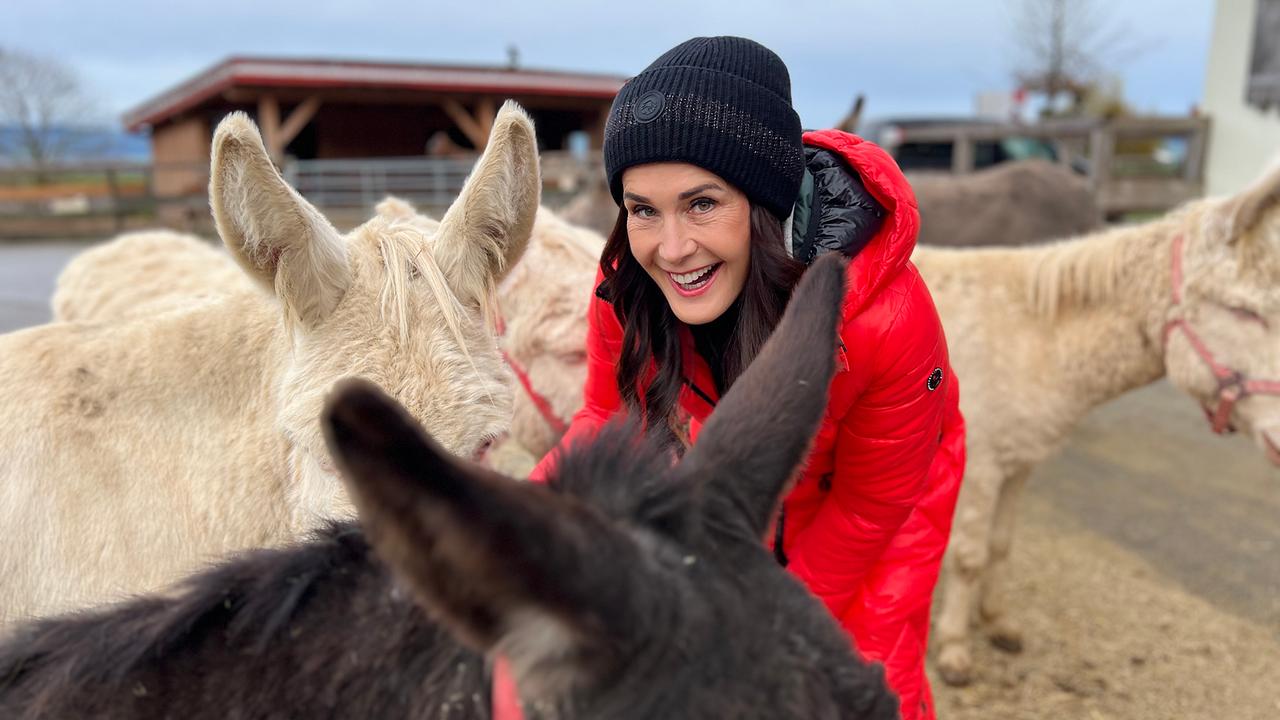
[628,588]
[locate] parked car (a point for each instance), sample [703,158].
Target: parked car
[919,154]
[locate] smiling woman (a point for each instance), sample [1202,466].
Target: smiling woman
[705,156]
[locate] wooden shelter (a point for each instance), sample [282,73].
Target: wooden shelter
[335,109]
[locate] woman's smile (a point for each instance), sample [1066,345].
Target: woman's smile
[695,283]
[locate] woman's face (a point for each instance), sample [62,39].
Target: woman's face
[691,231]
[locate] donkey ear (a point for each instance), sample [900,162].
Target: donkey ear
[486,229]
[1245,210]
[279,238]
[763,427]
[506,565]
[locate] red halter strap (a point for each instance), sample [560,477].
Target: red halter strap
[1233,385]
[540,401]
[505,699]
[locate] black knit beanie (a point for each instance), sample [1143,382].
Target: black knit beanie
[721,103]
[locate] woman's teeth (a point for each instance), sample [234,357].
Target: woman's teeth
[697,278]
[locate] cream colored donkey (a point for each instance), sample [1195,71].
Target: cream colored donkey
[132,452]
[542,302]
[1040,335]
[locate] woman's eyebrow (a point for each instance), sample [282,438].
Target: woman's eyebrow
[637,198]
[701,188]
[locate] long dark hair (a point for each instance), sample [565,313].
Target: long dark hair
[651,330]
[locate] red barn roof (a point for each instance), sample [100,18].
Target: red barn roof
[299,73]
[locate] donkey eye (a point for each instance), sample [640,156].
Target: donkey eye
[1245,313]
[576,357]
[483,449]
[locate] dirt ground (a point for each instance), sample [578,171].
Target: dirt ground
[1107,636]
[1146,577]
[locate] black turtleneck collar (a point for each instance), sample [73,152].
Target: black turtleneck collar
[711,339]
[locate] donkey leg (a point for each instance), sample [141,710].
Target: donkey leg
[1002,630]
[965,563]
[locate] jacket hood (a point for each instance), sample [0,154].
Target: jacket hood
[855,199]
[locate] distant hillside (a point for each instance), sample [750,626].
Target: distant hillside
[84,145]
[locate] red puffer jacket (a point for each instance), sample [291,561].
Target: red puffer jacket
[866,525]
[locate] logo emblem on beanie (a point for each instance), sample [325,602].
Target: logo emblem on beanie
[649,106]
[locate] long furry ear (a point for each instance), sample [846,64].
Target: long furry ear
[507,565]
[487,228]
[1245,210]
[280,239]
[761,430]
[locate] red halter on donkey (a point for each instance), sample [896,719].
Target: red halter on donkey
[1233,385]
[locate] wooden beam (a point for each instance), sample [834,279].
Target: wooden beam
[1197,146]
[1102,148]
[962,155]
[269,123]
[485,113]
[297,120]
[595,129]
[474,131]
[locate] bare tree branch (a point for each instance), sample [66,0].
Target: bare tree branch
[41,100]
[1067,46]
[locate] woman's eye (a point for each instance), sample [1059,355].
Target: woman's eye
[703,205]
[642,211]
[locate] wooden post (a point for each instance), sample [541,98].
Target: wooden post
[962,154]
[485,113]
[150,203]
[117,212]
[595,131]
[269,122]
[1062,150]
[1102,142]
[1197,145]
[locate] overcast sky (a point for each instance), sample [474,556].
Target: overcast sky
[907,56]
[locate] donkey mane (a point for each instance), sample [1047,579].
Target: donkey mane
[1073,274]
[1083,272]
